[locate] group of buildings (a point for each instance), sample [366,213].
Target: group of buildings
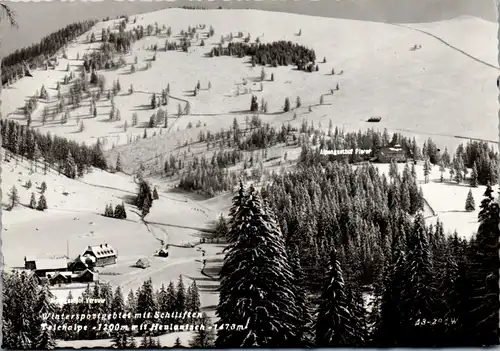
[60,271]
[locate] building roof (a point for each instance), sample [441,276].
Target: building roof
[58,274]
[142,262]
[101,251]
[51,263]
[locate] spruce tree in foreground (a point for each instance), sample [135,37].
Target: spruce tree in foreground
[256,288]
[469,202]
[484,272]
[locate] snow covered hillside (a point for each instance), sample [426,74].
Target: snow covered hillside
[437,90]
[74,221]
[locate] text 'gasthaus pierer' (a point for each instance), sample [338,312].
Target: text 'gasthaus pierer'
[120,315]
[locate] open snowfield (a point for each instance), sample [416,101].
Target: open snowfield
[435,91]
[446,200]
[75,220]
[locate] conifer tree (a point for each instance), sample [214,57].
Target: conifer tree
[254,105]
[485,204]
[484,273]
[286,108]
[304,326]
[177,343]
[474,176]
[180,298]
[42,203]
[264,284]
[441,169]
[153,101]
[33,201]
[43,187]
[221,228]
[70,166]
[13,197]
[171,297]
[387,328]
[118,163]
[262,74]
[155,194]
[45,339]
[203,337]
[419,298]
[335,321]
[469,202]
[193,303]
[146,300]
[427,169]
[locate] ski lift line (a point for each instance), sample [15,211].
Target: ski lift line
[447,44]
[447,135]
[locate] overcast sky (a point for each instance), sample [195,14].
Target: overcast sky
[37,19]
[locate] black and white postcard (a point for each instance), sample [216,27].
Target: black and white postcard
[243,174]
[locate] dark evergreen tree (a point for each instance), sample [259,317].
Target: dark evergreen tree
[469,202]
[419,293]
[254,105]
[256,282]
[335,324]
[286,108]
[484,272]
[42,203]
[13,197]
[33,201]
[180,298]
[204,337]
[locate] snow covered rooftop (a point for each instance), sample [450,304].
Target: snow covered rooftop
[51,263]
[101,251]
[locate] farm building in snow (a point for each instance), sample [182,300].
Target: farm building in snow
[104,254]
[61,278]
[43,265]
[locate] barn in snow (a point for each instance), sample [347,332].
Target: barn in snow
[104,254]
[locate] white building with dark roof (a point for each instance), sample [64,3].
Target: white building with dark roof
[104,254]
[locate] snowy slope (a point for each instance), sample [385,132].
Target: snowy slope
[434,91]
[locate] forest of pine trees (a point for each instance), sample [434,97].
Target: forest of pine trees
[12,65]
[281,53]
[68,157]
[25,302]
[338,231]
